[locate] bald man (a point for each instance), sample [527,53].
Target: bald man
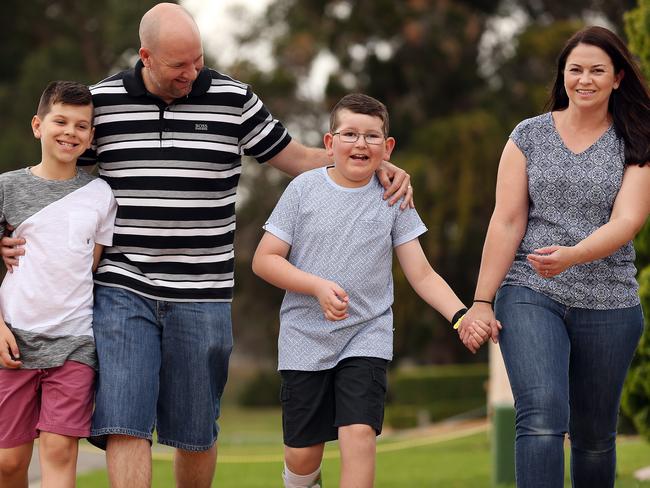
[169,138]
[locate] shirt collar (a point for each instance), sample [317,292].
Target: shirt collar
[135,87]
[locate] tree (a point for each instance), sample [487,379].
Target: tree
[421,57]
[636,393]
[44,40]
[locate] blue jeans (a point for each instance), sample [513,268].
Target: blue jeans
[566,368]
[162,365]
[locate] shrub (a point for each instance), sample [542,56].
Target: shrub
[434,393]
[261,391]
[635,402]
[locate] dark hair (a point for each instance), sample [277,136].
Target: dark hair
[629,104]
[359,103]
[68,92]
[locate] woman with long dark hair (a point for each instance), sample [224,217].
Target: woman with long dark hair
[573,189]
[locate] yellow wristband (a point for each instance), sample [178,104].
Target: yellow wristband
[457,324]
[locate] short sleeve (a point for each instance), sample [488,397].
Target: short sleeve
[261,136]
[407,226]
[106,221]
[283,220]
[520,135]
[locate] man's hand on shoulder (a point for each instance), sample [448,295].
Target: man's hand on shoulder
[397,183]
[11,248]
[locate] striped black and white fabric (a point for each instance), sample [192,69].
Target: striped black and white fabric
[174,170]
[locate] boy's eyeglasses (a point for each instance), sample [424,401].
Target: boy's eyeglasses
[351,136]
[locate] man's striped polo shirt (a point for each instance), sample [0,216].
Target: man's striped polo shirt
[174,171]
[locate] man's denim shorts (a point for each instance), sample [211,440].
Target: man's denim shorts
[162,365]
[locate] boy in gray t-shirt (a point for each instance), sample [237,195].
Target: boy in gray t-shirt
[47,350]
[329,243]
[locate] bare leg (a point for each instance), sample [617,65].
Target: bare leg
[129,462]
[195,469]
[14,463]
[302,466]
[58,456]
[358,447]
[303,460]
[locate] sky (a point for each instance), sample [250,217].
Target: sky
[221,20]
[219,23]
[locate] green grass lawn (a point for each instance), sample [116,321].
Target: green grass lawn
[250,453]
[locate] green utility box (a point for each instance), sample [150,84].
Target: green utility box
[503,445]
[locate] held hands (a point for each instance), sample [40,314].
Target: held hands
[478,325]
[333,300]
[8,348]
[552,260]
[397,183]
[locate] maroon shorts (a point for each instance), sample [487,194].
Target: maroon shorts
[57,400]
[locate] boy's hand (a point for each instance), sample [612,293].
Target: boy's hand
[397,183]
[11,248]
[474,334]
[478,325]
[8,348]
[333,300]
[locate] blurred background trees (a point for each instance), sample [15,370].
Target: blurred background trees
[636,394]
[45,40]
[456,75]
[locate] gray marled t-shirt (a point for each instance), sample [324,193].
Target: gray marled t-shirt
[570,196]
[345,235]
[47,300]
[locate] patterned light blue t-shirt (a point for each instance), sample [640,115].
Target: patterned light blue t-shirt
[570,196]
[345,235]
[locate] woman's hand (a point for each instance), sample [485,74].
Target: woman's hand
[552,260]
[479,325]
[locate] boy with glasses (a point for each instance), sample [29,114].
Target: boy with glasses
[329,243]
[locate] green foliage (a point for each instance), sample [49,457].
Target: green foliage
[636,393]
[411,416]
[434,393]
[45,40]
[450,123]
[458,463]
[426,393]
[452,161]
[635,402]
[525,78]
[419,57]
[550,11]
[426,384]
[263,390]
[637,27]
